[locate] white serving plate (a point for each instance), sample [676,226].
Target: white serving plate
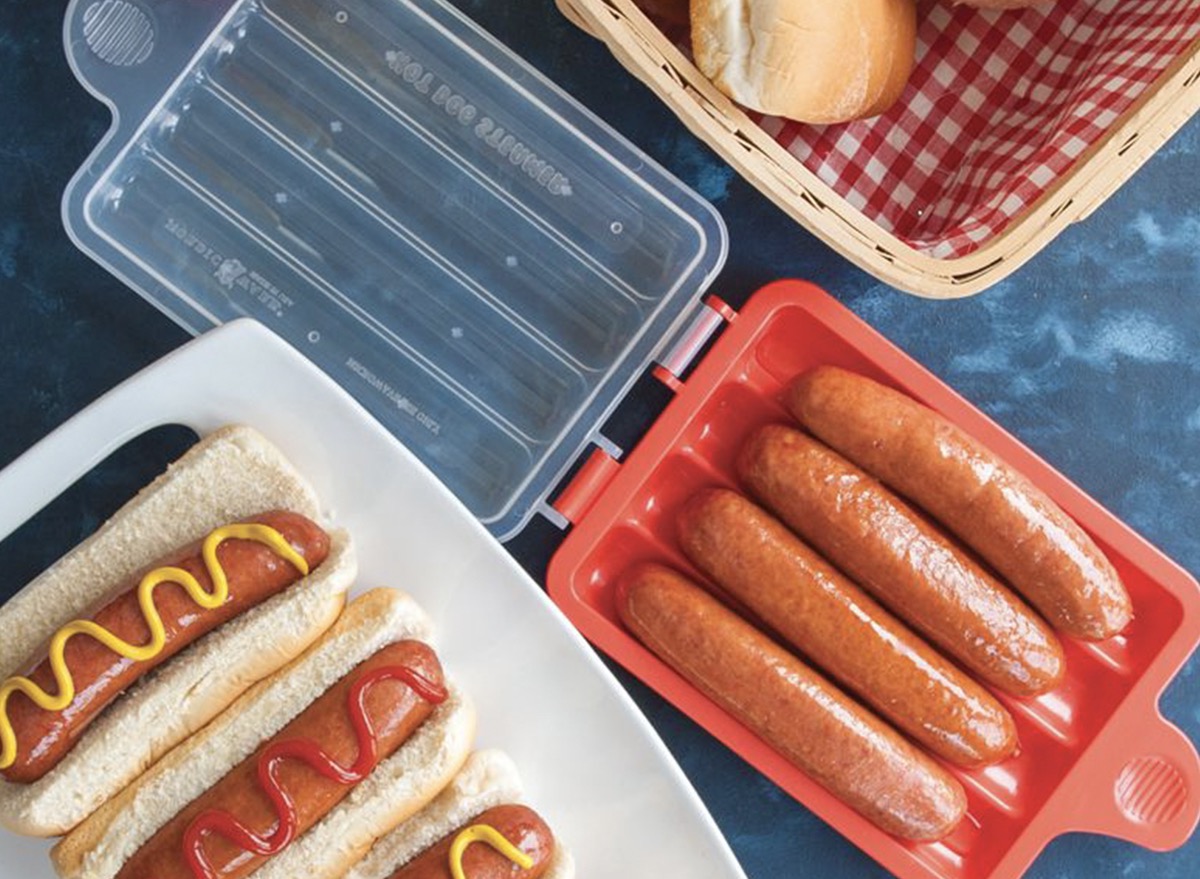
[590,761]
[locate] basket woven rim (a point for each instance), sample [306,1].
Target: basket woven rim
[1164,107]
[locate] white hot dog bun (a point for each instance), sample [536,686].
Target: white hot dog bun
[397,788]
[488,779]
[811,60]
[230,474]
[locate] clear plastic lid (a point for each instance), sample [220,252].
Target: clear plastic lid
[481,262]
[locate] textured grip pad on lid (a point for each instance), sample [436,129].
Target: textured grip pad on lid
[118,32]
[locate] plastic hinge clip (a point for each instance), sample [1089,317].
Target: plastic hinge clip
[712,314]
[581,492]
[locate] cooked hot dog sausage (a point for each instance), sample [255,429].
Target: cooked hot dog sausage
[841,745]
[843,630]
[254,572]
[520,825]
[393,711]
[902,559]
[991,507]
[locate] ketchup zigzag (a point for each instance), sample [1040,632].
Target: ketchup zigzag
[221,822]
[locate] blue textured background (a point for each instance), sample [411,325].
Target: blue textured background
[1090,354]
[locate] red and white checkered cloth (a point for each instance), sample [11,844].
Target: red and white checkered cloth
[999,107]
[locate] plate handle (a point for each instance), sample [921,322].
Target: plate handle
[70,451]
[1141,783]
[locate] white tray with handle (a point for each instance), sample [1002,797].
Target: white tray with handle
[589,759]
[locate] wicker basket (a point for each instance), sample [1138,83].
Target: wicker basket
[1013,125]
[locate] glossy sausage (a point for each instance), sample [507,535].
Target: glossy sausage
[841,745]
[991,507]
[393,710]
[254,572]
[519,825]
[902,559]
[846,633]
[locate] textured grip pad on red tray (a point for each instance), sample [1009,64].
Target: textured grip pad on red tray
[1152,799]
[1151,790]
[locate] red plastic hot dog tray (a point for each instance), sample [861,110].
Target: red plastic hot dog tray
[1096,754]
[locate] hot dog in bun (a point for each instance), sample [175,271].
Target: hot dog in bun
[213,577]
[478,826]
[301,774]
